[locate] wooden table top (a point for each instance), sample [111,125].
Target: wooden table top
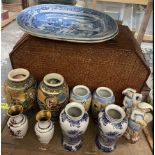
[30,145]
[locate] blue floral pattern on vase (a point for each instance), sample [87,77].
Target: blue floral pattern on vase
[115,125]
[69,23]
[73,125]
[72,122]
[110,129]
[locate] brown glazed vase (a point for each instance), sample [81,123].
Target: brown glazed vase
[53,94]
[20,89]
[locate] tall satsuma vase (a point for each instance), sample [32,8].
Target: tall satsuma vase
[73,121]
[53,94]
[112,124]
[20,88]
[102,97]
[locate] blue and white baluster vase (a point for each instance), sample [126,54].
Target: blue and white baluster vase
[112,124]
[73,121]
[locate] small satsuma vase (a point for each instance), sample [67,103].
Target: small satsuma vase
[44,128]
[53,94]
[81,94]
[20,88]
[112,124]
[18,122]
[73,121]
[102,97]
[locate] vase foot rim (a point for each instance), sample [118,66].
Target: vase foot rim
[103,147]
[72,148]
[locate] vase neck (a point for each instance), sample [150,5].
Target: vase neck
[53,80]
[114,113]
[18,75]
[81,91]
[74,111]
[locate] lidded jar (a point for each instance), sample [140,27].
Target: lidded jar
[20,89]
[102,97]
[53,94]
[73,121]
[81,94]
[44,127]
[18,122]
[112,124]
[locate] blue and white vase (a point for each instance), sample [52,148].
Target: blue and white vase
[112,124]
[102,97]
[81,94]
[73,121]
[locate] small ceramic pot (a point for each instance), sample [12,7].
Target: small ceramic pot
[20,88]
[112,124]
[18,122]
[102,97]
[44,127]
[81,94]
[53,94]
[73,121]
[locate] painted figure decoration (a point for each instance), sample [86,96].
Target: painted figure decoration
[131,99]
[138,112]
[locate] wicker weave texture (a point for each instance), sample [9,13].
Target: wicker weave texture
[116,64]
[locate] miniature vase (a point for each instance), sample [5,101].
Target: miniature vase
[112,123]
[53,94]
[44,127]
[20,89]
[81,94]
[73,121]
[139,118]
[102,97]
[18,122]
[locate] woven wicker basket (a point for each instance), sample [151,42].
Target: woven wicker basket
[116,64]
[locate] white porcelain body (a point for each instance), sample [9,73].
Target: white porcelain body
[73,129]
[44,131]
[100,101]
[110,129]
[81,94]
[18,125]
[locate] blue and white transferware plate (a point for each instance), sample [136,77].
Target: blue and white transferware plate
[68,23]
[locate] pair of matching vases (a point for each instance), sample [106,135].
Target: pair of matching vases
[53,96]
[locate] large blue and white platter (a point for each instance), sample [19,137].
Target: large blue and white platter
[67,23]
